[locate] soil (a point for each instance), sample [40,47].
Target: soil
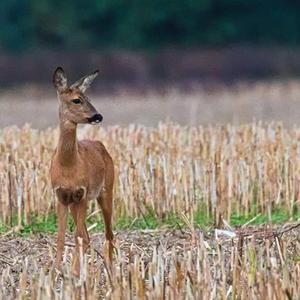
[38,251]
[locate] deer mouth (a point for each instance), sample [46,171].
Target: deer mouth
[95,119]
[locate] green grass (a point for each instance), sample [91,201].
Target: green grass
[277,217]
[47,224]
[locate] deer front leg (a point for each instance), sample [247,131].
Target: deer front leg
[106,203]
[74,212]
[82,240]
[62,216]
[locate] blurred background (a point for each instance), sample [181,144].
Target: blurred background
[192,61]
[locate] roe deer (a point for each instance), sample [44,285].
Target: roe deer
[80,170]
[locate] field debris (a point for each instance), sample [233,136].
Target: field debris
[228,233]
[157,264]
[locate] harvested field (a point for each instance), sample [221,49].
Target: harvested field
[252,263]
[247,170]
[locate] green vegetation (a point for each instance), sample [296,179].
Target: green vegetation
[277,217]
[146,24]
[201,220]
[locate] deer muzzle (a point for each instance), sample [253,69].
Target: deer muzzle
[95,119]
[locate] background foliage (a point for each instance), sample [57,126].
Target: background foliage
[151,24]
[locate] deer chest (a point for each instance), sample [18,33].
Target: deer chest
[68,195]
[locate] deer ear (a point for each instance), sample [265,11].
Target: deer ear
[84,83]
[60,79]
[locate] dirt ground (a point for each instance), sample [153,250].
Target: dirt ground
[30,255]
[38,248]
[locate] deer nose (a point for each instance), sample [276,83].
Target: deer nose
[96,118]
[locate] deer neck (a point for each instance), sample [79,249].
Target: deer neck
[67,149]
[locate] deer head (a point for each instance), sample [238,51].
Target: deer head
[74,106]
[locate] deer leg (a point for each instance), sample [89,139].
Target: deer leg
[82,239]
[74,210]
[62,215]
[106,203]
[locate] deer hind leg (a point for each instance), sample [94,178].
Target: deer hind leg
[105,200]
[62,215]
[82,240]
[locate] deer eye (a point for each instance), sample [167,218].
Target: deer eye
[77,101]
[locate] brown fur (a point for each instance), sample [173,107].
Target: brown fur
[80,170]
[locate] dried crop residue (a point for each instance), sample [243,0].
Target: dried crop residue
[157,264]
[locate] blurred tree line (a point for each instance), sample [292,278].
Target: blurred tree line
[146,24]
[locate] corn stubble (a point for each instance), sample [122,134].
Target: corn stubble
[156,265]
[247,170]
